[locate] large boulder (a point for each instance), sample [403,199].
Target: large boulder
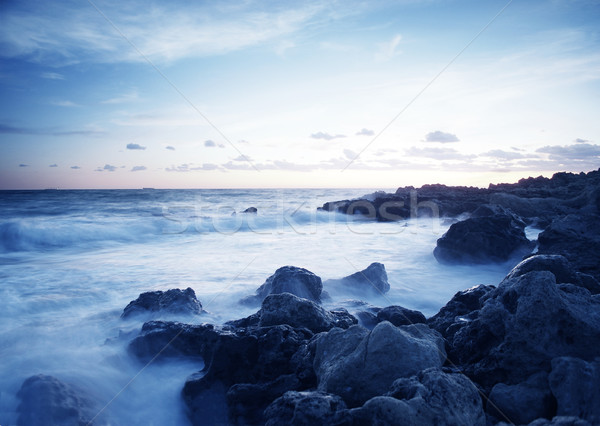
[358,365]
[372,279]
[174,301]
[285,308]
[289,279]
[482,240]
[525,323]
[399,315]
[45,400]
[304,408]
[575,384]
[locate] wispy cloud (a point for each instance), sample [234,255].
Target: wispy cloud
[138,168]
[106,167]
[23,165]
[53,165]
[579,152]
[441,137]
[326,136]
[170,148]
[438,153]
[52,76]
[122,99]
[191,167]
[75,167]
[19,130]
[134,146]
[365,132]
[389,49]
[65,103]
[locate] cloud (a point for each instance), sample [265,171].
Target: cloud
[53,165]
[135,146]
[23,165]
[580,152]
[138,168]
[388,50]
[438,153]
[75,167]
[326,136]
[441,137]
[242,158]
[170,148]
[350,155]
[190,167]
[52,76]
[16,130]
[505,155]
[579,140]
[365,132]
[107,167]
[68,104]
[211,144]
[122,99]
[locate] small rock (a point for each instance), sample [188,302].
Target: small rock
[372,279]
[174,301]
[398,316]
[289,279]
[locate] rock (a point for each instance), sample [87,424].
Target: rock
[372,279]
[454,315]
[575,384]
[482,240]
[289,279]
[557,264]
[358,365]
[524,402]
[398,316]
[304,408]
[285,308]
[174,301]
[525,323]
[45,400]
[252,210]
[560,421]
[576,237]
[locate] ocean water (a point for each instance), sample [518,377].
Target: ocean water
[70,261]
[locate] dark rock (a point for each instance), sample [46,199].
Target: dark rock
[289,279]
[458,308]
[561,421]
[358,365]
[525,323]
[482,240]
[174,301]
[367,319]
[398,316]
[576,385]
[285,308]
[252,210]
[304,408]
[45,400]
[372,279]
[557,264]
[576,237]
[524,402]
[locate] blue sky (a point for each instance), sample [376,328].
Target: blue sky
[110,94]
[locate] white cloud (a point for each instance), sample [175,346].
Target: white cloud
[138,168]
[365,132]
[67,104]
[580,152]
[135,146]
[210,144]
[122,99]
[438,153]
[351,155]
[107,167]
[579,140]
[170,148]
[53,76]
[441,137]
[326,136]
[389,49]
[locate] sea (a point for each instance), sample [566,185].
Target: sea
[71,260]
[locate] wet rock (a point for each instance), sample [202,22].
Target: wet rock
[372,279]
[482,240]
[289,279]
[304,408]
[398,316]
[525,323]
[45,400]
[358,365]
[557,264]
[524,402]
[559,421]
[575,384]
[174,301]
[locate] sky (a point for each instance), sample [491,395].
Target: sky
[243,94]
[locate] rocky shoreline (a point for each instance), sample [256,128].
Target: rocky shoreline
[526,351]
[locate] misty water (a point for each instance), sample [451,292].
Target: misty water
[70,261]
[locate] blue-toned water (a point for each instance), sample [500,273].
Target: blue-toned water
[70,261]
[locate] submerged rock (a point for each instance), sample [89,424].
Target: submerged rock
[289,279]
[358,365]
[482,240]
[372,279]
[45,400]
[174,301]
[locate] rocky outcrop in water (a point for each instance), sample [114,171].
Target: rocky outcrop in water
[372,279]
[174,301]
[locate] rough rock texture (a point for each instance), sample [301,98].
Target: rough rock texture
[358,365]
[285,308]
[524,402]
[174,301]
[45,400]
[398,316]
[575,384]
[558,421]
[482,240]
[372,279]
[525,323]
[304,408]
[289,279]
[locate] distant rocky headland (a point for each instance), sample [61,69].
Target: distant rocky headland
[526,351]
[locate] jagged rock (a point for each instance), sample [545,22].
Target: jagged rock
[285,308]
[174,301]
[525,323]
[289,279]
[575,384]
[372,279]
[482,240]
[524,402]
[358,365]
[45,400]
[455,314]
[304,408]
[398,316]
